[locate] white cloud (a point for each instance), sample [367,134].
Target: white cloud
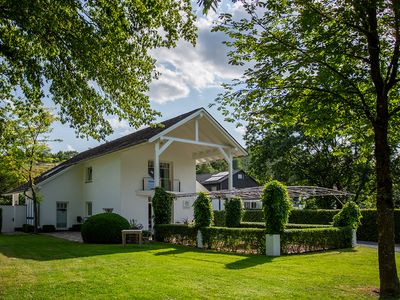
[117,124]
[70,148]
[187,68]
[241,130]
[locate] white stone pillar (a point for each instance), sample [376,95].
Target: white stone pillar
[273,245]
[157,164]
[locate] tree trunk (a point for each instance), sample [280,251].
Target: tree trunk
[35,207]
[389,281]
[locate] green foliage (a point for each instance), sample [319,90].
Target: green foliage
[219,218]
[48,228]
[203,212]
[312,216]
[176,234]
[104,228]
[315,239]
[76,228]
[28,228]
[1,219]
[276,206]
[253,215]
[289,225]
[233,212]
[162,206]
[288,154]
[92,58]
[368,230]
[349,215]
[242,240]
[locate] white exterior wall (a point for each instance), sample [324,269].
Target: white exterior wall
[65,187]
[134,167]
[103,191]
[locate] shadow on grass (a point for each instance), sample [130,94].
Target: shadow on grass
[46,248]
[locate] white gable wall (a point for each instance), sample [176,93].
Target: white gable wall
[65,187]
[103,191]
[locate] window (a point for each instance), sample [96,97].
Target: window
[89,174]
[165,174]
[213,188]
[240,176]
[89,209]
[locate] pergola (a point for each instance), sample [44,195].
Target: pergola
[252,193]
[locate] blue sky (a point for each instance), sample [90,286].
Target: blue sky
[191,77]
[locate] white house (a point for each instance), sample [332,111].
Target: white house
[121,175]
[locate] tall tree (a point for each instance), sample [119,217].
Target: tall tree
[92,58]
[330,66]
[287,154]
[24,145]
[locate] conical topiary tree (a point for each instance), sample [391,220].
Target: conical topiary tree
[162,206]
[203,212]
[234,212]
[276,206]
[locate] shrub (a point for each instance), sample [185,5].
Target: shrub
[162,206]
[104,228]
[276,206]
[48,228]
[1,219]
[312,216]
[176,234]
[242,240]
[368,230]
[219,218]
[203,212]
[349,215]
[252,225]
[315,239]
[289,225]
[28,228]
[234,212]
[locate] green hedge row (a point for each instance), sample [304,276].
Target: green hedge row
[288,226]
[367,231]
[1,219]
[243,240]
[315,239]
[176,234]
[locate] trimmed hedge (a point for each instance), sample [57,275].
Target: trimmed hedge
[242,240]
[290,226]
[202,210]
[234,212]
[162,206]
[1,219]
[176,234]
[315,239]
[312,216]
[28,228]
[368,230]
[254,215]
[48,228]
[104,228]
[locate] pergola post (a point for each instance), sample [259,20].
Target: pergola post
[15,199]
[157,164]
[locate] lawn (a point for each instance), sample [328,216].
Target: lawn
[43,267]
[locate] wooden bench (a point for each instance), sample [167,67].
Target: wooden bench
[135,232]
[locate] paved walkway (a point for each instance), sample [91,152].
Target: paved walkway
[72,236]
[375,245]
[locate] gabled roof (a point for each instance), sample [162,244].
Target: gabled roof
[135,138]
[208,178]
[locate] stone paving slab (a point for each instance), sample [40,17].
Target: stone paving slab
[72,236]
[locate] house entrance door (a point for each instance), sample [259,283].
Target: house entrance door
[62,214]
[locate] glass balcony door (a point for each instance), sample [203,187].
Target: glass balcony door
[165,174]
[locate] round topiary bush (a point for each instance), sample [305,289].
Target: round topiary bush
[276,206]
[349,215]
[203,212]
[104,228]
[162,206]
[234,212]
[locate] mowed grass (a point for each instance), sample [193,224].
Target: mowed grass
[43,267]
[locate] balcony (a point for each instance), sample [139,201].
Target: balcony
[171,185]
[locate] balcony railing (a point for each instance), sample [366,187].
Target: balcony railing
[172,185]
